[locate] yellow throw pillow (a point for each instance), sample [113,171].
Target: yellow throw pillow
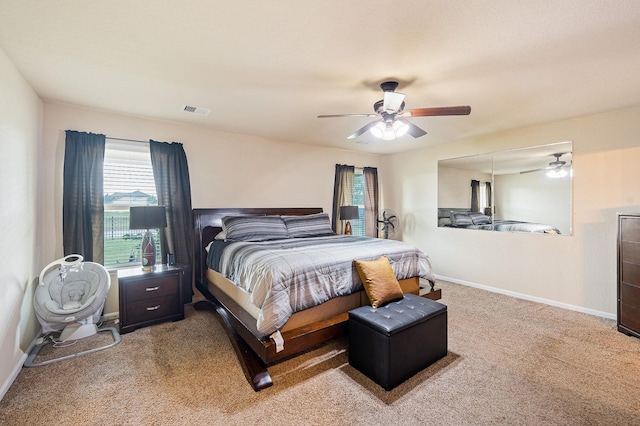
[379,281]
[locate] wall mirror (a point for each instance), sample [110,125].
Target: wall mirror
[520,190]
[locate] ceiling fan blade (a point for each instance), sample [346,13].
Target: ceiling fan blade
[346,115]
[535,170]
[413,130]
[558,167]
[362,130]
[557,164]
[392,101]
[428,112]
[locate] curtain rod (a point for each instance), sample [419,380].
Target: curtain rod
[125,140]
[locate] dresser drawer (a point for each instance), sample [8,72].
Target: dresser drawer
[630,294]
[629,317]
[630,252]
[149,288]
[630,229]
[152,309]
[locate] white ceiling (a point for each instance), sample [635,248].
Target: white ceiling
[268,68]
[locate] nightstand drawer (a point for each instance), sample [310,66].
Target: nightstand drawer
[152,309]
[151,288]
[149,297]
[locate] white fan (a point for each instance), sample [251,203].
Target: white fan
[388,223]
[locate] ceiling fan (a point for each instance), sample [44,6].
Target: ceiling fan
[391,117]
[555,168]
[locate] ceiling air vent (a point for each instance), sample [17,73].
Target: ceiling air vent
[195,110]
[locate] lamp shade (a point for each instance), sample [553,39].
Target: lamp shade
[147,217]
[349,213]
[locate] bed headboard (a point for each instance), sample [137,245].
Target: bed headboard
[445,212]
[207,223]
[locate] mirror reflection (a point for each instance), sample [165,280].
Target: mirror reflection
[520,190]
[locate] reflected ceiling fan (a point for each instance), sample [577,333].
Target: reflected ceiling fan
[391,117]
[555,169]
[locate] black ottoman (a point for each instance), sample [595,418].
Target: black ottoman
[392,343]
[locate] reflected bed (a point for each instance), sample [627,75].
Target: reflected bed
[465,219]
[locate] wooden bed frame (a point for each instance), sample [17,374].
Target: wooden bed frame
[255,353]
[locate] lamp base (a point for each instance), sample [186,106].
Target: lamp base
[148,251]
[347,228]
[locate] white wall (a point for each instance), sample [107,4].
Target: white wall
[226,170]
[576,271]
[20,124]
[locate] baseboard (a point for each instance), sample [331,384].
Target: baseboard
[110,316]
[16,370]
[530,298]
[18,367]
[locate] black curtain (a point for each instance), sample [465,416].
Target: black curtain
[171,174]
[83,195]
[342,194]
[475,195]
[370,201]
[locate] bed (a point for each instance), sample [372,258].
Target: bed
[466,219]
[287,327]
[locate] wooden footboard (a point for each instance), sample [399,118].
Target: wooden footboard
[256,354]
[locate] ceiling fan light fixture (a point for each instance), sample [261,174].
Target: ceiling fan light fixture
[557,173]
[389,134]
[378,130]
[389,130]
[400,128]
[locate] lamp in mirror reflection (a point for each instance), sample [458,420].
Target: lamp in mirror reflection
[348,213]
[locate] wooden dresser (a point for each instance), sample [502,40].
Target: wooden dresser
[629,274]
[149,297]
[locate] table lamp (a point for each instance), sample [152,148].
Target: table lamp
[348,213]
[147,217]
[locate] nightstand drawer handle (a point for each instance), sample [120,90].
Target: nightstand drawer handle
[153,308]
[152,288]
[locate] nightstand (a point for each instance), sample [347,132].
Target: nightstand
[149,297]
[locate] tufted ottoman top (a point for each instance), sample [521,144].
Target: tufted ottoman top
[399,315]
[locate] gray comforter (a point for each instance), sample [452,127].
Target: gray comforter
[287,276]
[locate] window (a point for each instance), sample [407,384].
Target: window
[128,181]
[484,194]
[357,226]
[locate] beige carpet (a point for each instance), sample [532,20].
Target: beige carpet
[510,362]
